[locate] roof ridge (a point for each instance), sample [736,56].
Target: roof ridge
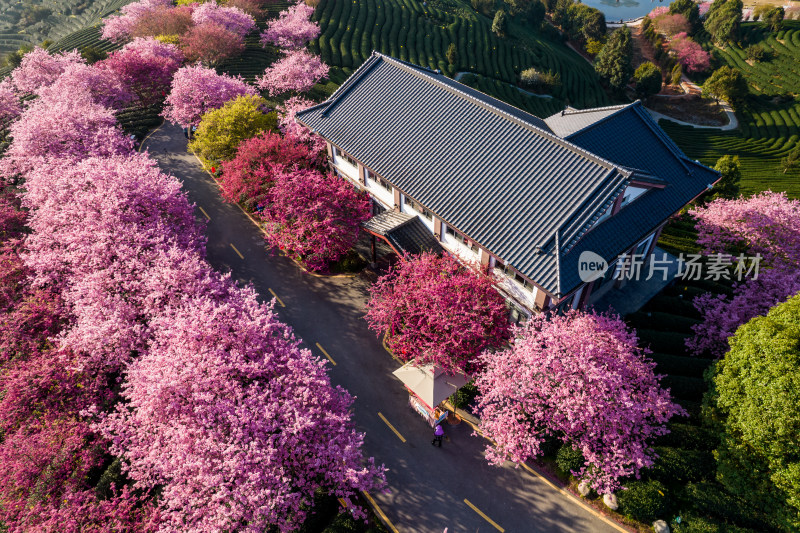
[575,111]
[547,135]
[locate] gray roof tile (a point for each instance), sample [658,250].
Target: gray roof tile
[493,172]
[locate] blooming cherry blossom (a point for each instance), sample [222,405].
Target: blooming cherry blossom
[40,69]
[292,29]
[231,19]
[297,71]
[581,378]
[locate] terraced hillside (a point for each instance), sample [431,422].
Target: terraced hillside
[770,124]
[31,22]
[411,31]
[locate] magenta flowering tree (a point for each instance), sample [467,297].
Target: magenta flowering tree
[658,11]
[231,19]
[85,128]
[690,54]
[106,87]
[40,69]
[767,224]
[197,89]
[434,310]
[292,29]
[120,27]
[10,105]
[100,226]
[313,216]
[247,177]
[146,66]
[210,44]
[290,127]
[297,72]
[236,422]
[582,378]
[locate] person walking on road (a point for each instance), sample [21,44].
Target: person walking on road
[438,433]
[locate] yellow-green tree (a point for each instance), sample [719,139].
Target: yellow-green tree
[221,130]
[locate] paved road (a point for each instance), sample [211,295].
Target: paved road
[427,486]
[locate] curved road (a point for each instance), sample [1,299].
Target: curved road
[428,488]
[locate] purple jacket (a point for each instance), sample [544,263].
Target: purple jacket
[439,431]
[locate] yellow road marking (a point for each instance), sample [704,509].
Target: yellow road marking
[482,515]
[326,354]
[399,436]
[378,509]
[204,212]
[574,498]
[276,297]
[237,251]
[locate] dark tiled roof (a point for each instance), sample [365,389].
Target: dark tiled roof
[632,138]
[414,238]
[493,172]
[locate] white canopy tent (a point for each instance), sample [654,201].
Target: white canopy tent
[431,384]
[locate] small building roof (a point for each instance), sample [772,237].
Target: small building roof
[405,233]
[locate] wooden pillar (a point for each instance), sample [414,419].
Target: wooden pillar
[396,199]
[374,253]
[542,300]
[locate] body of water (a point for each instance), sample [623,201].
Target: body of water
[625,9]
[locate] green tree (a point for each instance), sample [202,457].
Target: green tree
[561,13]
[774,18]
[791,161]
[92,54]
[731,174]
[689,9]
[452,54]
[648,79]
[676,74]
[726,84]
[724,20]
[754,402]
[500,24]
[221,130]
[613,63]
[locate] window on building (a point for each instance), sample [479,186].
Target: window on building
[341,154]
[516,276]
[427,214]
[383,183]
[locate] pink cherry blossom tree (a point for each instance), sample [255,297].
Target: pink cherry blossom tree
[63,126]
[120,27]
[40,69]
[767,224]
[106,87]
[197,89]
[580,377]
[313,216]
[434,310]
[172,21]
[231,19]
[211,44]
[690,54]
[10,105]
[297,71]
[290,127]
[658,11]
[292,29]
[146,66]
[236,422]
[247,177]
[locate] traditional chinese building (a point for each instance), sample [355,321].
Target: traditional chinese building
[450,166]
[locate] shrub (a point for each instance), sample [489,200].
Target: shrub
[593,46]
[644,501]
[541,80]
[464,396]
[677,465]
[452,54]
[222,130]
[688,437]
[569,459]
[758,53]
[710,498]
[648,79]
